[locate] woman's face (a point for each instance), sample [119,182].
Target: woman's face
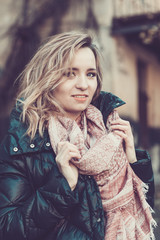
[80,83]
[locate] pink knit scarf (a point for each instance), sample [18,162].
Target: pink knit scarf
[127,212]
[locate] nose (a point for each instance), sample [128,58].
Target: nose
[82,82]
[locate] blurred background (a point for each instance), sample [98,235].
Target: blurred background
[128,34]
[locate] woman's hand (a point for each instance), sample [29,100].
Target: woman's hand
[67,151]
[123,129]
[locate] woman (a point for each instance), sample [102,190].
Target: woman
[42,193]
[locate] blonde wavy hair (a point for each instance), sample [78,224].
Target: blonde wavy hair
[44,73]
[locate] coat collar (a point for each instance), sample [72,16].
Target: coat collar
[20,143]
[106,102]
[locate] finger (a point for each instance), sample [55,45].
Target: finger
[121,134]
[66,145]
[72,154]
[121,122]
[129,141]
[120,127]
[65,149]
[63,159]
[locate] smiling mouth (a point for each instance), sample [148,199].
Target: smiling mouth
[80,97]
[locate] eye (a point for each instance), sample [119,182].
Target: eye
[92,74]
[70,74]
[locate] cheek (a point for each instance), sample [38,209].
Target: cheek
[94,88]
[60,91]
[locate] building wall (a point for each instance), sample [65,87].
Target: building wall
[124,8]
[154,94]
[10,11]
[124,83]
[125,80]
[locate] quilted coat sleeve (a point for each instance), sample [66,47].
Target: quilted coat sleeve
[31,206]
[36,202]
[143,169]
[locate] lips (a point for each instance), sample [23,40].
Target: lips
[80,97]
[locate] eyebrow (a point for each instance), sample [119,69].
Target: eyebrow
[89,69]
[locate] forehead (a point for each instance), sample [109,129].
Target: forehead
[84,56]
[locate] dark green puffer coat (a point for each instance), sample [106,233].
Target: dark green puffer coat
[36,202]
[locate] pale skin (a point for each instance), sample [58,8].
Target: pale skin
[74,95]
[123,129]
